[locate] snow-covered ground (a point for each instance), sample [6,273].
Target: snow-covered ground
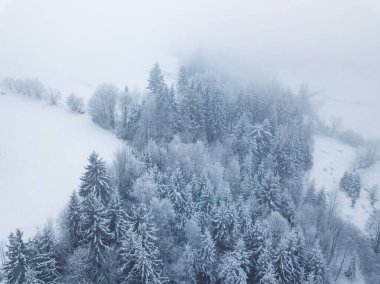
[43,151]
[331,159]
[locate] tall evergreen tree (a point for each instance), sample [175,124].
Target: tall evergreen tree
[283,262]
[95,180]
[265,269]
[97,237]
[117,218]
[43,256]
[206,259]
[316,264]
[156,82]
[215,115]
[267,194]
[139,256]
[74,220]
[31,277]
[16,264]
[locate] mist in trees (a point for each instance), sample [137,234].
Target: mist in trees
[209,188]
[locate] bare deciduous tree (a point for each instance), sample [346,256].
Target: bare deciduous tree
[53,96]
[367,155]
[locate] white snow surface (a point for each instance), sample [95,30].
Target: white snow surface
[331,159]
[43,151]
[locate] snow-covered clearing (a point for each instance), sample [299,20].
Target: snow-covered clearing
[43,151]
[331,159]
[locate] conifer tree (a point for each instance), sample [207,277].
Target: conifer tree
[265,269]
[117,218]
[43,257]
[16,264]
[206,259]
[283,262]
[180,196]
[156,82]
[235,264]
[97,237]
[267,194]
[31,277]
[216,116]
[316,263]
[223,224]
[139,256]
[95,180]
[74,219]
[351,183]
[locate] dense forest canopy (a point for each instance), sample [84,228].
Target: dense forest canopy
[211,187]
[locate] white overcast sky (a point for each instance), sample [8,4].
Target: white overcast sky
[333,45]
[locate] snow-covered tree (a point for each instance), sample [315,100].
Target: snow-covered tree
[31,277]
[97,237]
[102,106]
[17,261]
[43,256]
[265,269]
[351,183]
[267,194]
[74,220]
[235,265]
[75,104]
[206,260]
[215,115]
[316,264]
[95,180]
[138,255]
[117,218]
[283,262]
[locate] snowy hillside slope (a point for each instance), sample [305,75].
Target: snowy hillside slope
[331,159]
[43,151]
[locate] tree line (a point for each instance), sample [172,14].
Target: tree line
[210,188]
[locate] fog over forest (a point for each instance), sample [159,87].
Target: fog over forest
[203,141]
[333,46]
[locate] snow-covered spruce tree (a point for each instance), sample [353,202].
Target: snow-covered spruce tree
[185,267]
[31,277]
[74,220]
[206,260]
[283,262]
[215,116]
[235,265]
[17,259]
[351,184]
[261,136]
[95,180]
[255,240]
[267,194]
[316,264]
[117,219]
[265,269]
[43,255]
[192,111]
[223,226]
[164,106]
[180,196]
[138,254]
[97,238]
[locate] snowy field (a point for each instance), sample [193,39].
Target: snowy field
[43,151]
[331,159]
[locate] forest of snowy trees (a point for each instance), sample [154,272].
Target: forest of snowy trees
[210,188]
